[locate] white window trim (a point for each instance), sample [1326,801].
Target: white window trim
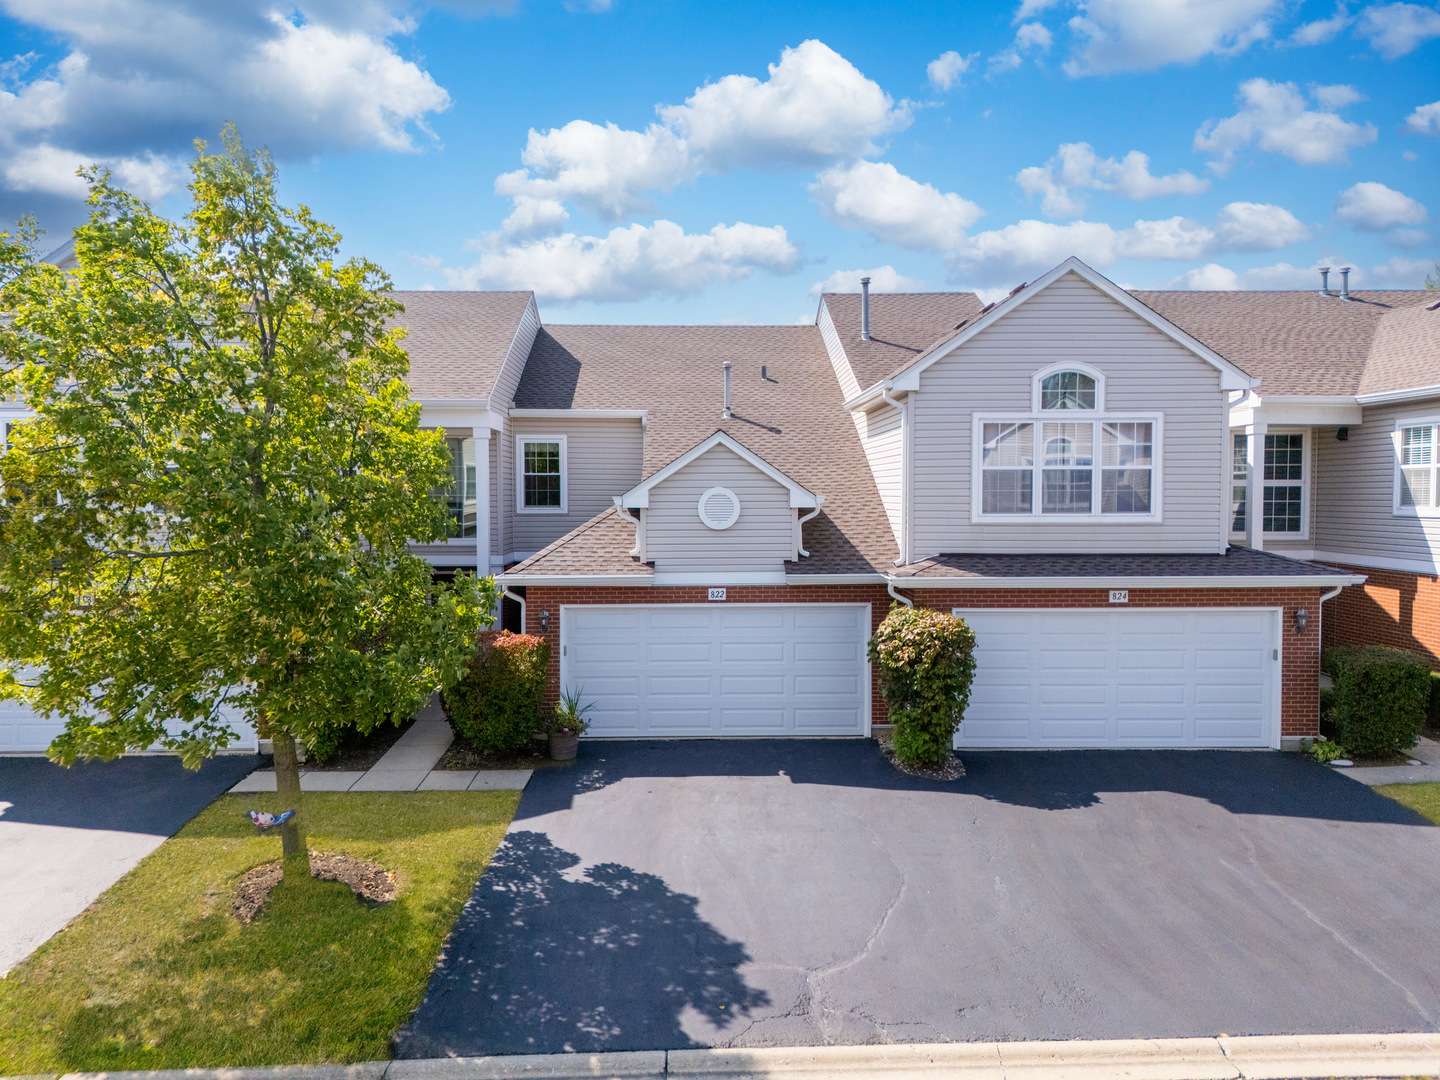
[1084,369]
[1231,481]
[1426,420]
[1305,474]
[520,507]
[1067,416]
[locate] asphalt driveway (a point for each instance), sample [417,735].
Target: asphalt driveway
[762,893]
[67,835]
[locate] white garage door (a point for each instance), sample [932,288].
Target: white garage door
[21,731]
[1142,678]
[719,669]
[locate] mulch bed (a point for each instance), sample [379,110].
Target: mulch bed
[371,883]
[953,769]
[464,754]
[356,752]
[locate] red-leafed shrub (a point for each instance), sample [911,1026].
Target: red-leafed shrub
[925,661]
[496,703]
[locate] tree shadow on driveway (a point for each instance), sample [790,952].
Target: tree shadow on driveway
[550,958]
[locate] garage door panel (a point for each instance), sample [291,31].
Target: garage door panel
[721,670]
[1132,677]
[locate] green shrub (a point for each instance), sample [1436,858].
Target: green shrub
[925,662]
[496,703]
[1380,697]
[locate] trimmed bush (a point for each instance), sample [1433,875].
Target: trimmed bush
[496,703]
[1380,697]
[925,663]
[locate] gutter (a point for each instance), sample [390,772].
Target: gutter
[1229,581]
[1397,395]
[867,397]
[524,626]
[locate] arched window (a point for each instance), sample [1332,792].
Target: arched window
[1067,390]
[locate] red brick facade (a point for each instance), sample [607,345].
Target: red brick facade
[1299,697]
[1393,607]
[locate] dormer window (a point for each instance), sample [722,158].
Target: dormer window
[1067,390]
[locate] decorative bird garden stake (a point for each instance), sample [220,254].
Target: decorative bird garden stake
[261,820]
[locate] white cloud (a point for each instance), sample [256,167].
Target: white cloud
[1141,35]
[1374,207]
[1076,165]
[142,78]
[1214,277]
[1402,273]
[1028,8]
[52,171]
[814,108]
[1408,238]
[1425,120]
[879,199]
[1396,29]
[1335,97]
[1032,37]
[629,263]
[1030,246]
[882,279]
[1321,31]
[946,70]
[1274,117]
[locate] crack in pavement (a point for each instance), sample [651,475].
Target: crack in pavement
[1339,937]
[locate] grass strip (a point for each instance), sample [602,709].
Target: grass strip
[1422,797]
[157,974]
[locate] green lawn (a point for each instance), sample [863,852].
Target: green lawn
[159,975]
[1422,797]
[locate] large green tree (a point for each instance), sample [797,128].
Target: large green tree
[208,513]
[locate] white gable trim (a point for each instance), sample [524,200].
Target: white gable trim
[1231,377]
[638,497]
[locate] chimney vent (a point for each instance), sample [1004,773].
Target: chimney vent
[864,309]
[1325,281]
[1344,283]
[726,414]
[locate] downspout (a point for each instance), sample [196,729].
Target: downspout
[904,474]
[1320,613]
[524,626]
[800,528]
[634,552]
[890,588]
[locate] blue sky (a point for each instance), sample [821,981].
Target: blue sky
[635,161]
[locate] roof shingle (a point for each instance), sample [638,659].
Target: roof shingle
[902,326]
[458,340]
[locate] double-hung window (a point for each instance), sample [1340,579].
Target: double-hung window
[1068,458]
[1284,476]
[540,474]
[459,494]
[1415,467]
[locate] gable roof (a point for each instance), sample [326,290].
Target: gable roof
[794,421]
[1301,343]
[902,326]
[458,341]
[1231,376]
[639,495]
[1405,353]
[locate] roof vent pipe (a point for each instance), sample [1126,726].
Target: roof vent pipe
[864,309]
[1344,283]
[726,414]
[1324,281]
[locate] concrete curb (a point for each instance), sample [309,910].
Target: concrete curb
[1257,1057]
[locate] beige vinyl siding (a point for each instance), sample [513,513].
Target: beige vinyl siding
[763,537]
[880,437]
[513,366]
[1146,374]
[849,385]
[1353,509]
[603,459]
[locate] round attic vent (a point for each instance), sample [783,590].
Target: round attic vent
[719,508]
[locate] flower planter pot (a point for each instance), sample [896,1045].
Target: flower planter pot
[564,747]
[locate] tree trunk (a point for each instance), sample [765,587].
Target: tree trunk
[287,786]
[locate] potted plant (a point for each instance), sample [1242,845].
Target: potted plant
[567,724]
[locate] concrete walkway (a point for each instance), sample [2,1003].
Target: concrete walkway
[409,765]
[1220,1058]
[1427,753]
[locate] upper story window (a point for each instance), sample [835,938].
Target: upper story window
[1284,478]
[1042,467]
[540,474]
[458,494]
[1067,390]
[1415,466]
